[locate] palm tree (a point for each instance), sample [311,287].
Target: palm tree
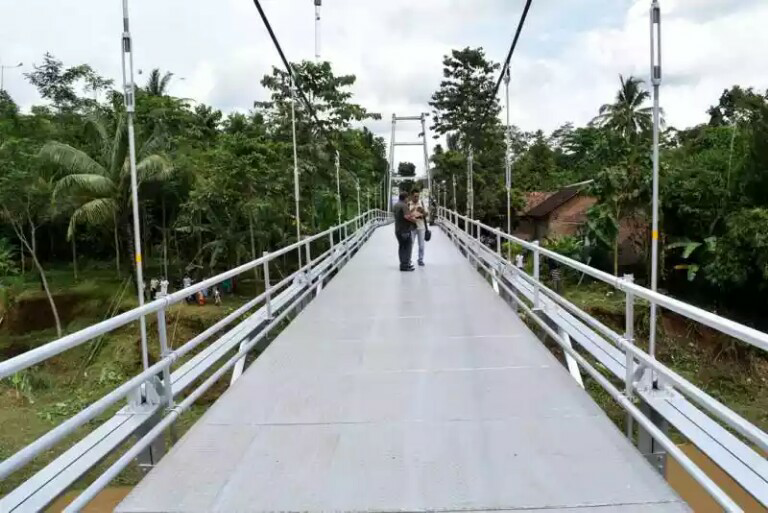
[627,116]
[100,186]
[157,85]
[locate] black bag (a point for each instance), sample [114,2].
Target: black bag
[428,235]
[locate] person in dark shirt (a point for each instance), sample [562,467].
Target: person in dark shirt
[404,227]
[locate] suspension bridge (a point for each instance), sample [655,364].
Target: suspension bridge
[354,387]
[426,391]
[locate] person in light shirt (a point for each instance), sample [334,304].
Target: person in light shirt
[419,214]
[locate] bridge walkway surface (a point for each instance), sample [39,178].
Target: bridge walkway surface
[404,392]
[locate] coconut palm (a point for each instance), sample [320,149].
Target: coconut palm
[627,116]
[157,85]
[100,185]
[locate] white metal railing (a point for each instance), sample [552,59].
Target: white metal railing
[467,232]
[342,240]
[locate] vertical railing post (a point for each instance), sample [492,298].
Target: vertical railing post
[498,241]
[309,258]
[536,275]
[267,287]
[330,239]
[346,242]
[629,335]
[162,335]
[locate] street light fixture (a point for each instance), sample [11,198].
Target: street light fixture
[318,5]
[2,73]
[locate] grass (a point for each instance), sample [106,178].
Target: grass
[732,372]
[38,399]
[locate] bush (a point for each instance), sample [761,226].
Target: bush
[741,255]
[566,245]
[7,259]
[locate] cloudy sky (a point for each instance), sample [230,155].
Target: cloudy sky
[567,64]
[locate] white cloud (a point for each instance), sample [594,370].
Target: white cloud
[703,55]
[567,64]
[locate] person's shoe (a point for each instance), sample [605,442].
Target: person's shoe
[407,269]
[421,263]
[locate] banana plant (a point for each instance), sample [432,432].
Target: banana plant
[703,251]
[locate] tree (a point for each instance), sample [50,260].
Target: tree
[741,255]
[627,115]
[330,99]
[7,259]
[406,169]
[736,105]
[466,110]
[536,168]
[620,191]
[157,83]
[102,183]
[25,203]
[465,103]
[57,84]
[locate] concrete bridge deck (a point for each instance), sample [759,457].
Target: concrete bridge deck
[405,392]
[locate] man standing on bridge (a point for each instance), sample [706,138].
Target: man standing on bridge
[404,228]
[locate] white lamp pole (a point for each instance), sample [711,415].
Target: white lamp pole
[338,186]
[656,82]
[2,74]
[130,108]
[296,190]
[318,5]
[508,160]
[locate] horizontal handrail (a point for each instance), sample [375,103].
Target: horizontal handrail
[61,431]
[55,347]
[740,331]
[667,443]
[114,470]
[703,399]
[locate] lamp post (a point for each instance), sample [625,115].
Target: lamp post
[130,108]
[2,73]
[471,184]
[318,5]
[296,190]
[444,202]
[656,82]
[426,155]
[391,164]
[508,160]
[338,186]
[455,208]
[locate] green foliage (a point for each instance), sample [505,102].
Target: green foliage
[465,103]
[7,259]
[406,169]
[627,116]
[21,383]
[157,83]
[57,84]
[100,184]
[694,252]
[741,256]
[570,246]
[466,110]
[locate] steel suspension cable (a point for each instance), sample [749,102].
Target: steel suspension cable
[296,85]
[512,48]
